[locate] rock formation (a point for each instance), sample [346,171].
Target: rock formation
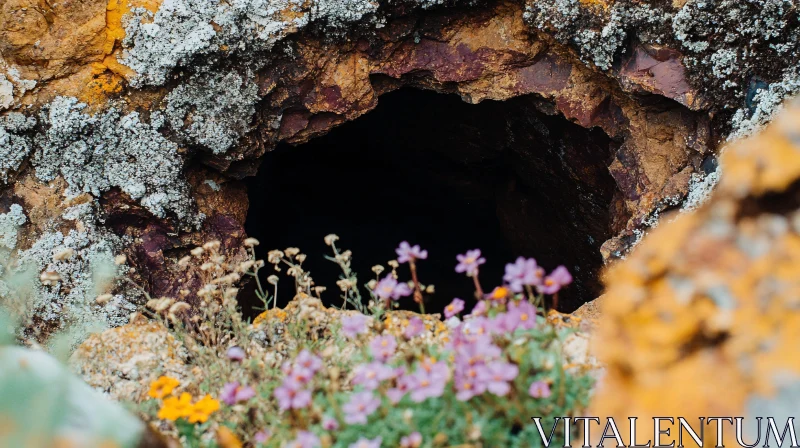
[126,126]
[707,304]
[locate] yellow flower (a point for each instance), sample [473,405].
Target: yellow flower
[174,408]
[163,386]
[203,409]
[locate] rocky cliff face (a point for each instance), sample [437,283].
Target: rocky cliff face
[127,125]
[707,304]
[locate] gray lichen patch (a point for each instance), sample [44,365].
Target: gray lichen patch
[213,110]
[87,272]
[14,144]
[96,153]
[9,226]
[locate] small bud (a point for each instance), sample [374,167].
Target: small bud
[251,242]
[272,279]
[372,283]
[300,258]
[120,259]
[292,251]
[330,239]
[211,245]
[377,269]
[393,263]
[49,278]
[430,289]
[246,265]
[274,256]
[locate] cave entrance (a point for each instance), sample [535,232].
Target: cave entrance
[431,169]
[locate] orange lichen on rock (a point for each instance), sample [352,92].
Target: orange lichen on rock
[707,305]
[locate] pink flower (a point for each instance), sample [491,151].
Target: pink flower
[468,383]
[290,395]
[406,253]
[306,360]
[262,436]
[555,281]
[354,325]
[479,308]
[389,288]
[403,385]
[360,406]
[415,327]
[413,440]
[236,354]
[383,347]
[428,380]
[299,374]
[520,314]
[329,423]
[455,307]
[305,439]
[497,375]
[469,262]
[233,393]
[363,442]
[371,375]
[523,272]
[539,389]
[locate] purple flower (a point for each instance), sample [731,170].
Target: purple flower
[553,282]
[479,351]
[236,354]
[354,325]
[329,423]
[539,389]
[497,375]
[415,327]
[406,253]
[403,385]
[308,361]
[262,436]
[371,375]
[290,395]
[476,327]
[233,393]
[469,262]
[299,374]
[479,308]
[305,439]
[389,288]
[413,440]
[383,347]
[521,314]
[455,307]
[428,380]
[360,406]
[468,383]
[523,272]
[363,442]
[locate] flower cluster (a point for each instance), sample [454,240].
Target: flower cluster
[294,392]
[174,408]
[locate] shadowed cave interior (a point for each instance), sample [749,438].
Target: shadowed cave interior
[451,176]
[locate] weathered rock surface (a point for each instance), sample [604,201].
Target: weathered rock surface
[708,303]
[155,110]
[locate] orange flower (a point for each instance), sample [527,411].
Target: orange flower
[174,408]
[163,386]
[203,409]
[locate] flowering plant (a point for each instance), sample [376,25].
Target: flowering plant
[310,376]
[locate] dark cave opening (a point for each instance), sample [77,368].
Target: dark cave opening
[433,170]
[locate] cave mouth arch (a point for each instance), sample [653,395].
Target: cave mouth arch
[433,170]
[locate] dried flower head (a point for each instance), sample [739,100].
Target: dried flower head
[291,251]
[197,251]
[274,256]
[49,278]
[330,239]
[211,245]
[273,279]
[251,242]
[377,269]
[393,263]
